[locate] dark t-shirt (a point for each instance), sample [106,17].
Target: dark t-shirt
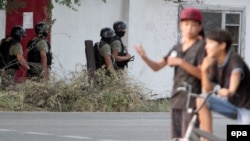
[194,56]
[221,75]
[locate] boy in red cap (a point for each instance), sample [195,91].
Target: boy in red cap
[185,57]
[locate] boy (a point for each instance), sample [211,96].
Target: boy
[226,68]
[189,54]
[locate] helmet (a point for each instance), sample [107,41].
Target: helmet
[119,26]
[17,32]
[41,29]
[191,14]
[107,32]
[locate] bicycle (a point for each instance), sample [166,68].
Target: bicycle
[193,133]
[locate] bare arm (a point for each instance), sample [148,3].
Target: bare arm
[156,66]
[235,78]
[234,81]
[207,86]
[120,58]
[205,68]
[44,63]
[193,70]
[22,61]
[152,64]
[108,62]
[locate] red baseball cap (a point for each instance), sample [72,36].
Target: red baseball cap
[191,14]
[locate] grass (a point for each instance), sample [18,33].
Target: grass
[117,93]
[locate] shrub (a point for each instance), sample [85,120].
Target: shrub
[102,93]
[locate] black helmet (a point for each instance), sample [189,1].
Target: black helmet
[41,29]
[107,32]
[17,32]
[119,26]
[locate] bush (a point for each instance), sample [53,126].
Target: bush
[102,93]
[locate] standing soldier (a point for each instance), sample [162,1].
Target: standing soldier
[39,54]
[11,52]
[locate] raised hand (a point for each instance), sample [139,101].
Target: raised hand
[140,50]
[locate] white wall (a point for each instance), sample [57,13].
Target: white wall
[241,4]
[2,23]
[72,28]
[152,23]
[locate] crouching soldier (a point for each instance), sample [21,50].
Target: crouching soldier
[103,55]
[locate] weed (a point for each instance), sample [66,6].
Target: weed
[102,93]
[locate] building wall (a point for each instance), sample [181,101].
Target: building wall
[241,4]
[152,23]
[2,23]
[72,28]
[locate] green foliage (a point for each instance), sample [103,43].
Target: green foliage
[115,93]
[69,3]
[49,17]
[2,4]
[14,5]
[72,4]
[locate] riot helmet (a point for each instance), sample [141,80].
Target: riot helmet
[41,29]
[17,32]
[120,28]
[107,32]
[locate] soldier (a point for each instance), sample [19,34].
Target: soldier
[39,53]
[12,53]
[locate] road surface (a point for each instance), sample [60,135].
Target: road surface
[88,126]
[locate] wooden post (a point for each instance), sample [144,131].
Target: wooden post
[90,56]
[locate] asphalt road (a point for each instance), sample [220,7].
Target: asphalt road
[47,126]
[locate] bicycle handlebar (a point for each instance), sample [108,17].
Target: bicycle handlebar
[188,87]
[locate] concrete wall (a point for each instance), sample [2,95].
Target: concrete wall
[72,28]
[152,23]
[241,4]
[2,23]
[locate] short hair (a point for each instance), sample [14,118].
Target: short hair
[202,33]
[220,36]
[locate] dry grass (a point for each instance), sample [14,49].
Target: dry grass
[107,94]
